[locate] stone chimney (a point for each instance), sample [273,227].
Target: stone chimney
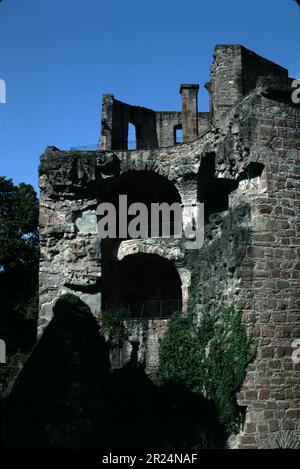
[189,94]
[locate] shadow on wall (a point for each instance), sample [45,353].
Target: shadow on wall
[66,397]
[60,393]
[148,416]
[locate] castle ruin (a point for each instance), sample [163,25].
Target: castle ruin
[241,159]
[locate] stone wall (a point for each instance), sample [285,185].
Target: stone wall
[268,289]
[166,123]
[245,169]
[114,124]
[141,344]
[154,129]
[234,73]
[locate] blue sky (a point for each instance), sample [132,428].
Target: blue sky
[59,56]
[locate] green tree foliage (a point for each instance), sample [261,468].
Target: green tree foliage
[209,358]
[18,267]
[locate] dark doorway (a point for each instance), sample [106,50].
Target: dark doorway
[143,285]
[213,191]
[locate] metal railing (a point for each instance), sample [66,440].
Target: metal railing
[153,309]
[149,144]
[132,145]
[91,147]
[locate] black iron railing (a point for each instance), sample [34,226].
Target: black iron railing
[149,144]
[134,145]
[92,147]
[153,309]
[141,144]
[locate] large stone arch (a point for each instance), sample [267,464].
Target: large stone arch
[171,250]
[141,177]
[139,187]
[143,282]
[181,172]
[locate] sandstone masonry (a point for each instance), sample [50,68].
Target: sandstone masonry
[242,160]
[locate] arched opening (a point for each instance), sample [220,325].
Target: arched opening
[142,286]
[131,137]
[213,191]
[147,188]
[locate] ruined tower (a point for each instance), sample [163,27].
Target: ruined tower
[241,160]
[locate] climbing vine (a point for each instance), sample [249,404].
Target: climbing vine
[209,357]
[112,327]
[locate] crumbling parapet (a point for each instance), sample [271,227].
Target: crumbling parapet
[153,129]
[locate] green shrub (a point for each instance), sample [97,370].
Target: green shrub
[209,358]
[112,327]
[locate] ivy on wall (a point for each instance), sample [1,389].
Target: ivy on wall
[209,357]
[112,327]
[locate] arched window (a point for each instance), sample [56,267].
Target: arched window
[143,286]
[145,187]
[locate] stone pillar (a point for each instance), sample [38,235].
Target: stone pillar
[185,276]
[189,94]
[105,142]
